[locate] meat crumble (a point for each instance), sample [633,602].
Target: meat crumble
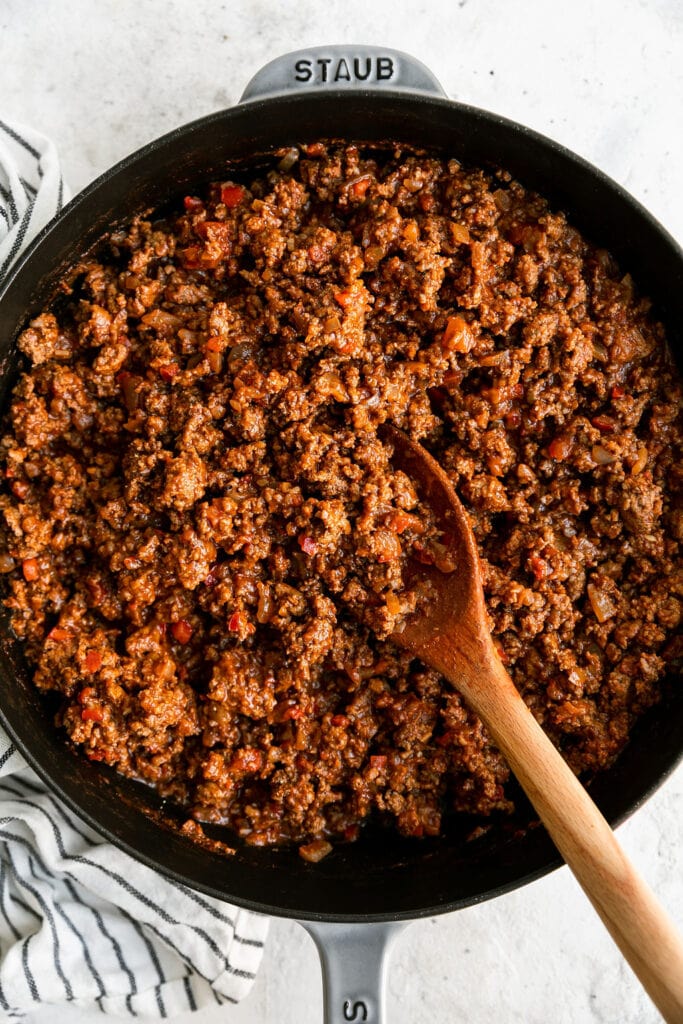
[204,540]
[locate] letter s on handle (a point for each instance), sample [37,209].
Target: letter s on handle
[342,67]
[355,1011]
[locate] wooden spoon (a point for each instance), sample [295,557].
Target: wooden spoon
[450,632]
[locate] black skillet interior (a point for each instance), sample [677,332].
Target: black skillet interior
[380,876]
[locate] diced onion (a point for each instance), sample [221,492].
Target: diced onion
[601,455]
[457,336]
[289,159]
[460,233]
[7,563]
[603,606]
[315,851]
[640,463]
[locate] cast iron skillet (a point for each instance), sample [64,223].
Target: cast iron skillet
[380,880]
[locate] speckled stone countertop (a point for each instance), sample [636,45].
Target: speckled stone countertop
[102,78]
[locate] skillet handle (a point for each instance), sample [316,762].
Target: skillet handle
[354,960]
[342,67]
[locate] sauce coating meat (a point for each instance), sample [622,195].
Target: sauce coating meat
[203,538]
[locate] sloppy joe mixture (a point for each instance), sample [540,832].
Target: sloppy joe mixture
[204,540]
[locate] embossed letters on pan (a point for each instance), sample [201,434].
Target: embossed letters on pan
[356,69]
[355,1011]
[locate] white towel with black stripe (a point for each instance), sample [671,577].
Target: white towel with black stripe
[81,921]
[31,189]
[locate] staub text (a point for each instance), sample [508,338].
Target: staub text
[340,69]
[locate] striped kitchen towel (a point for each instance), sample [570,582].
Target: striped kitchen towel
[80,920]
[31,189]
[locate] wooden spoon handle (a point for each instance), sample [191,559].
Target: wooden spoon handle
[638,924]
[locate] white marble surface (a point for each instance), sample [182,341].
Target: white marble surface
[604,78]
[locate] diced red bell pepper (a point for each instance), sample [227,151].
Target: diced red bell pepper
[605,424]
[539,567]
[214,231]
[213,351]
[399,521]
[58,634]
[232,195]
[168,371]
[359,187]
[93,661]
[92,715]
[192,204]
[182,631]
[307,545]
[560,448]
[343,298]
[30,569]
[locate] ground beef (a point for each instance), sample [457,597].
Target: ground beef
[204,540]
